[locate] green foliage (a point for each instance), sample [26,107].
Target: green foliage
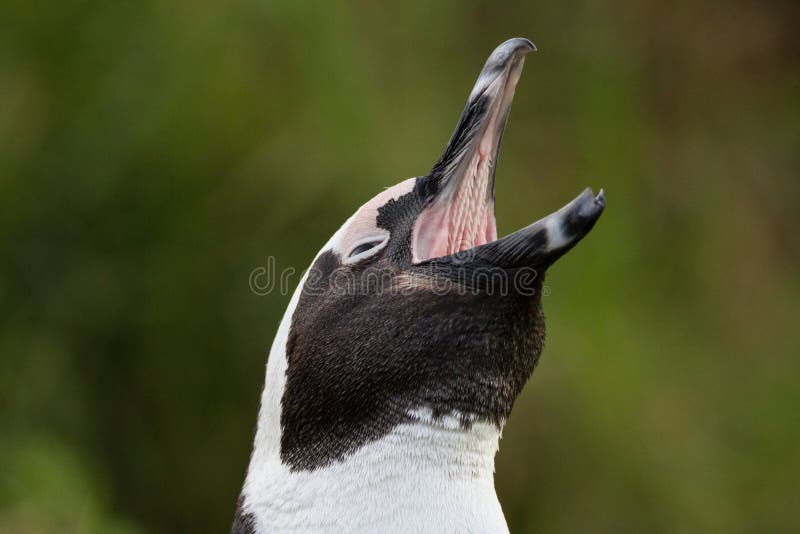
[152,154]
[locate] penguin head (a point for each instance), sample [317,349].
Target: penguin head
[416,311]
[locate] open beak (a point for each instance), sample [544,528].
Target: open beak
[459,191]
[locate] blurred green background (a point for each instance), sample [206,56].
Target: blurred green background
[152,154]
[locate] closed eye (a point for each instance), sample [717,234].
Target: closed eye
[366,248]
[363,247]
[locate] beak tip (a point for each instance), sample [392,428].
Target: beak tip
[519,45]
[510,51]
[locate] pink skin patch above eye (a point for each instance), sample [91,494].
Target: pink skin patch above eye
[364,223]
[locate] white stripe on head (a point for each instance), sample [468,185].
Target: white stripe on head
[267,446]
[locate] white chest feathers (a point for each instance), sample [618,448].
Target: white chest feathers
[418,478]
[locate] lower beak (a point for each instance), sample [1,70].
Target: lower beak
[540,244]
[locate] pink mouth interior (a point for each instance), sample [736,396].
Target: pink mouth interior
[462,219]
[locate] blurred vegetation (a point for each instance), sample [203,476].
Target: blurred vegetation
[152,154]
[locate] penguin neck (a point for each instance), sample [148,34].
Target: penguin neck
[426,475]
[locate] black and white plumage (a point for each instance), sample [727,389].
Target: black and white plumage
[405,346]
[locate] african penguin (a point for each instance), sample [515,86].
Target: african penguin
[405,345]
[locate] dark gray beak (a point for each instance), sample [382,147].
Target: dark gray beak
[457,225]
[480,127]
[540,244]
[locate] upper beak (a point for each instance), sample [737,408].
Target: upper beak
[460,188]
[476,139]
